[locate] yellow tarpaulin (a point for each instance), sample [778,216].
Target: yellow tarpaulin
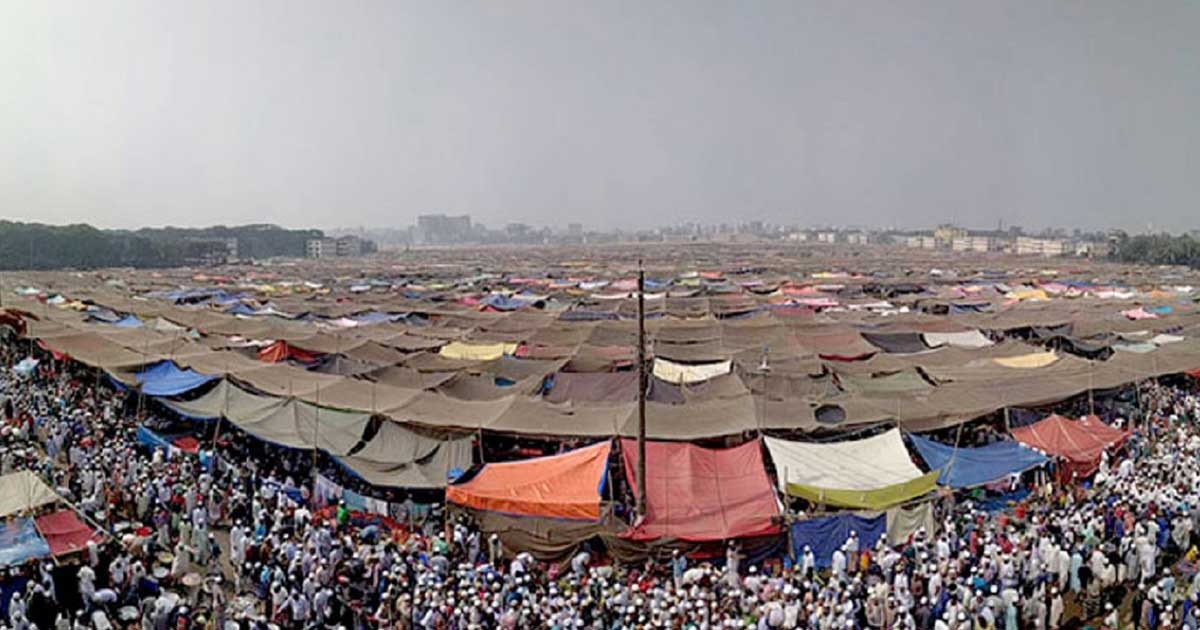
[876,499]
[1026,361]
[1027,294]
[477,352]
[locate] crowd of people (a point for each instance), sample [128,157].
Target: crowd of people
[237,541]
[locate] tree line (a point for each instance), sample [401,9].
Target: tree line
[82,246]
[1157,249]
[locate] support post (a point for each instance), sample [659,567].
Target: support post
[642,382]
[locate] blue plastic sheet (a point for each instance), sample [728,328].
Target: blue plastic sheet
[9,587]
[164,443]
[377,317]
[166,379]
[20,541]
[506,303]
[828,533]
[969,467]
[129,321]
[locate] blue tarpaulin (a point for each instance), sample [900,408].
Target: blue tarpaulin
[377,317]
[969,467]
[20,541]
[241,309]
[828,533]
[505,303]
[165,443]
[166,379]
[129,321]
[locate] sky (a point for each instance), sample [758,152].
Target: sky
[613,114]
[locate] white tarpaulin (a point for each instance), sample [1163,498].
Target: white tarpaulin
[966,339]
[673,372]
[872,463]
[23,490]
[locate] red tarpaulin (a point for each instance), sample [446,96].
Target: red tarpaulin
[187,443]
[1195,372]
[282,351]
[64,531]
[558,486]
[1079,442]
[701,494]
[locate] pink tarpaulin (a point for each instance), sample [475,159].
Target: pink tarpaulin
[1139,313]
[64,531]
[701,494]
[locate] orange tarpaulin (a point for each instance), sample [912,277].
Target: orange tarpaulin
[557,486]
[701,494]
[282,351]
[1079,442]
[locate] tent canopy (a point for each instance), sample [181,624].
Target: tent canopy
[167,379]
[968,467]
[700,494]
[21,542]
[282,351]
[1080,442]
[873,472]
[398,457]
[568,485]
[285,421]
[865,464]
[23,490]
[64,532]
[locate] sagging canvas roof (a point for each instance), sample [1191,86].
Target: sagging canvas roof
[963,467]
[700,494]
[401,458]
[285,421]
[568,485]
[873,472]
[1080,442]
[24,490]
[967,379]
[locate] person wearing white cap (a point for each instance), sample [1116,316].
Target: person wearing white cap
[838,563]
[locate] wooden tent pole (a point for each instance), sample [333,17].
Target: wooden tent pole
[641,436]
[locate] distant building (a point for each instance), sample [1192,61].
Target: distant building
[947,233]
[827,237]
[975,243]
[440,229]
[799,237]
[1030,246]
[353,246]
[858,238]
[323,247]
[921,241]
[342,247]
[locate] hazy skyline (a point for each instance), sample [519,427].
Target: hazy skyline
[613,114]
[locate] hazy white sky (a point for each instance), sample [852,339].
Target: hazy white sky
[325,114]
